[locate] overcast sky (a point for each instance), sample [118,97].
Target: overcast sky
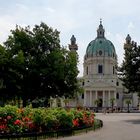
[78,17]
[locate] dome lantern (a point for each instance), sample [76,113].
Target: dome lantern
[100,30]
[100,46]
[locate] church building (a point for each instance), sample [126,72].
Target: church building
[100,79]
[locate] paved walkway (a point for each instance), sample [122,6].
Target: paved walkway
[117,126]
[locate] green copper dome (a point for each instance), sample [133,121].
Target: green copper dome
[100,46]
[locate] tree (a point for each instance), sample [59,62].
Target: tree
[3,64]
[38,66]
[9,76]
[97,102]
[112,100]
[131,67]
[71,72]
[128,102]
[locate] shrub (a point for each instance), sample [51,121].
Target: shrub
[50,122]
[65,119]
[15,120]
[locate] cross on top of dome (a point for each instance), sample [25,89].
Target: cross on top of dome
[100,21]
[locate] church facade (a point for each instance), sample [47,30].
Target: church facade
[100,80]
[101,83]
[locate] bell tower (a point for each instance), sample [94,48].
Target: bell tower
[128,43]
[73,46]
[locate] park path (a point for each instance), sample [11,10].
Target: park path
[117,126]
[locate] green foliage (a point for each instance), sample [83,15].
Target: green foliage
[77,114]
[97,102]
[128,102]
[38,116]
[15,120]
[131,68]
[112,100]
[65,119]
[50,122]
[11,120]
[33,65]
[8,111]
[6,74]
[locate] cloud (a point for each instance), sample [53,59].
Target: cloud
[6,24]
[108,34]
[51,10]
[119,39]
[75,17]
[21,7]
[130,26]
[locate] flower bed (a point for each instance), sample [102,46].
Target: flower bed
[27,120]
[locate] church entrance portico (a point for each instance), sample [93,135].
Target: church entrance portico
[100,98]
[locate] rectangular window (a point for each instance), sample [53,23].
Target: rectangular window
[82,96]
[87,70]
[113,70]
[117,95]
[100,69]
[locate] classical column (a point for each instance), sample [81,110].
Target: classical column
[114,95]
[103,98]
[115,98]
[109,98]
[85,98]
[90,98]
[96,96]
